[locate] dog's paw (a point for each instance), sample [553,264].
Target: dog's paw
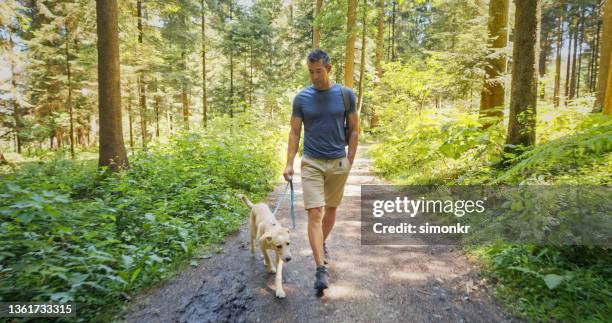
[271,270]
[280,293]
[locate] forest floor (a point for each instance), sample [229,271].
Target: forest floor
[367,283]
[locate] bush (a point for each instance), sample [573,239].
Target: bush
[71,235]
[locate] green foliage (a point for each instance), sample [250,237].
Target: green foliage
[551,284]
[436,146]
[70,234]
[447,146]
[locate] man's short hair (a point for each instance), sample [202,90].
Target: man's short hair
[318,54]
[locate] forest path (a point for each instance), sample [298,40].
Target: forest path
[367,283]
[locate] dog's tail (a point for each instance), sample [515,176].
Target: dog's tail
[245,200]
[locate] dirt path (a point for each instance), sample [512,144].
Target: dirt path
[368,283]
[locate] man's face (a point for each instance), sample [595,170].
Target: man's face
[319,74]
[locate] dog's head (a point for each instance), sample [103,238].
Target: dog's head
[279,239]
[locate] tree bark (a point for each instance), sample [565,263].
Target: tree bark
[316,32]
[605,49]
[608,97]
[558,63]
[141,83]
[380,38]
[492,95]
[16,108]
[393,33]
[204,98]
[349,64]
[362,61]
[112,149]
[130,117]
[69,102]
[184,98]
[523,98]
[569,55]
[572,90]
[577,94]
[595,60]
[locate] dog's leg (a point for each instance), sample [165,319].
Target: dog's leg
[267,261]
[280,292]
[253,233]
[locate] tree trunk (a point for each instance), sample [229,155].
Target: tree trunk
[544,48]
[572,90]
[605,49]
[577,93]
[380,38]
[69,102]
[595,60]
[569,55]
[607,109]
[590,66]
[185,100]
[492,95]
[380,50]
[16,112]
[141,83]
[316,33]
[157,99]
[130,117]
[523,98]
[393,33]
[362,61]
[204,98]
[231,69]
[349,64]
[608,97]
[112,150]
[558,63]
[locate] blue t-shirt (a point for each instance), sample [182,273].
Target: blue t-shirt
[322,112]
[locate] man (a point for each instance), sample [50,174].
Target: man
[325,164]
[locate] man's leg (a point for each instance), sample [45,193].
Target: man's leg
[329,219]
[315,234]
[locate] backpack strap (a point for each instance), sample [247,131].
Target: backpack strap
[346,101]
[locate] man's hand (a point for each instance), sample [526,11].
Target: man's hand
[288,174]
[351,159]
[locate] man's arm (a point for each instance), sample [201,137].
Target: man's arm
[353,125]
[292,146]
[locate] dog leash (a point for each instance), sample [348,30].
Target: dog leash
[289,185]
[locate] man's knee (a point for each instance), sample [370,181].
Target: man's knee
[315,215]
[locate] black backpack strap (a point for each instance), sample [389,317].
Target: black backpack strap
[346,101]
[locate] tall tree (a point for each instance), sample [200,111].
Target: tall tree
[112,149]
[568,65]
[608,97]
[349,64]
[363,51]
[316,32]
[558,62]
[492,95]
[141,79]
[572,90]
[605,50]
[380,50]
[204,98]
[523,97]
[380,37]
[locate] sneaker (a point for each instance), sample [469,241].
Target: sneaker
[326,258]
[321,278]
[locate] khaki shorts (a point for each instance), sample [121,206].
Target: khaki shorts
[323,181]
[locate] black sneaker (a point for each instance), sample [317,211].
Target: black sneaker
[321,278]
[326,258]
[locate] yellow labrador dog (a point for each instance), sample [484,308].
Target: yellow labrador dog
[271,236]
